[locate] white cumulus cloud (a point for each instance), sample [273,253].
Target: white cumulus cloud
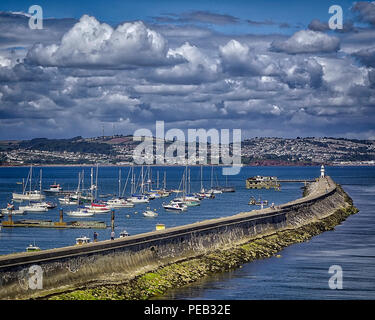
[90,43]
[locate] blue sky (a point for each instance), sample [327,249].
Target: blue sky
[116,11]
[270,68]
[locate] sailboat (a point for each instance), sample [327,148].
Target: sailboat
[141,197]
[213,190]
[35,195]
[11,210]
[96,207]
[119,202]
[80,212]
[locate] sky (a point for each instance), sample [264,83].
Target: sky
[271,68]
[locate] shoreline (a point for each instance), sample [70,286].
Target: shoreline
[181,165]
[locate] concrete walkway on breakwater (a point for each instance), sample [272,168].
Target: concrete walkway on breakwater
[127,257]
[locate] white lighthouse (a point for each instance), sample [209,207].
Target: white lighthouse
[322,173]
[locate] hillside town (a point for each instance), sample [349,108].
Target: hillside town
[255,151]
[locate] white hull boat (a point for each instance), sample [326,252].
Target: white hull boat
[12,212]
[33,208]
[68,201]
[175,206]
[97,208]
[139,199]
[82,212]
[119,203]
[150,214]
[29,195]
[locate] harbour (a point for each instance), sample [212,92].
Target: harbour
[124,221]
[171,244]
[130,219]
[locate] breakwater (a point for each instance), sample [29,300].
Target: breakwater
[211,245]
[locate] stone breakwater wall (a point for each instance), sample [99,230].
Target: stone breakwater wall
[113,262]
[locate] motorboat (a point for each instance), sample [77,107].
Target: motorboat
[82,240]
[98,208]
[124,234]
[54,189]
[80,212]
[34,207]
[149,213]
[47,204]
[10,209]
[139,198]
[32,248]
[175,206]
[68,200]
[119,203]
[214,191]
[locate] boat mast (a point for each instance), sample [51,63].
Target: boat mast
[31,174]
[92,183]
[119,183]
[201,178]
[165,181]
[142,180]
[96,181]
[132,187]
[40,181]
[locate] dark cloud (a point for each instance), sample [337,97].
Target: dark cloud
[317,25]
[365,11]
[268,23]
[366,56]
[206,17]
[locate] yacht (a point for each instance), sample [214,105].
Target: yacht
[175,206]
[34,207]
[54,189]
[149,213]
[98,208]
[67,200]
[80,212]
[28,195]
[139,198]
[10,209]
[119,203]
[35,195]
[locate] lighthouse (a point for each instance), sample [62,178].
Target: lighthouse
[322,174]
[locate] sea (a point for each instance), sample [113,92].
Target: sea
[300,271]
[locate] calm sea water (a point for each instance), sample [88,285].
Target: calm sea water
[301,272]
